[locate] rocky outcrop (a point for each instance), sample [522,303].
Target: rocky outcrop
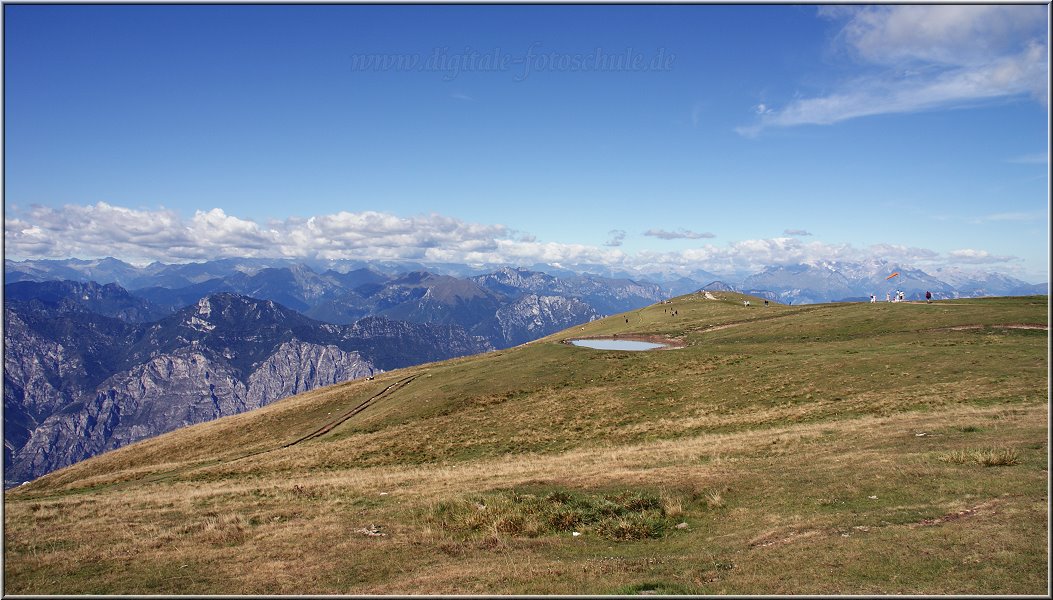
[191,389]
[298,367]
[534,316]
[37,364]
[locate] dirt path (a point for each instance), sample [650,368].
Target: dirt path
[172,473]
[354,411]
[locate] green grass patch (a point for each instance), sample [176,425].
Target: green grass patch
[660,588]
[1001,457]
[622,516]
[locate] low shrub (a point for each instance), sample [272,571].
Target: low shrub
[1003,457]
[622,516]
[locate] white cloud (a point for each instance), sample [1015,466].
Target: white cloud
[680,234]
[798,232]
[926,57]
[940,34]
[145,235]
[904,254]
[976,257]
[96,229]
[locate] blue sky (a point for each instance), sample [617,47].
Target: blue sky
[754,135]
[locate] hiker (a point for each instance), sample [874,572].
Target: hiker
[765,304]
[928,297]
[873,298]
[888,298]
[626,319]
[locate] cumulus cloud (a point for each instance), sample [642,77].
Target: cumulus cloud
[617,236]
[100,228]
[679,234]
[137,235]
[105,230]
[947,34]
[976,257]
[925,57]
[904,254]
[798,232]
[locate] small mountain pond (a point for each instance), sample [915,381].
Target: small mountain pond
[631,345]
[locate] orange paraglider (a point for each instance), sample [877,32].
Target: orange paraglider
[898,296]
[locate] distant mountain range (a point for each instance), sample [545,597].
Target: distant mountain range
[854,282]
[330,290]
[508,306]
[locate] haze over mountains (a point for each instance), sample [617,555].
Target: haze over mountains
[305,285]
[100,353]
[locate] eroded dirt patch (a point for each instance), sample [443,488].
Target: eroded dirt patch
[1032,326]
[777,539]
[986,507]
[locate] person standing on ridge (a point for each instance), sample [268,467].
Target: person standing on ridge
[928,297]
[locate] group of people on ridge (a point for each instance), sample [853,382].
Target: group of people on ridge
[899,297]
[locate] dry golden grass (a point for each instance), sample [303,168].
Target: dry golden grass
[299,534]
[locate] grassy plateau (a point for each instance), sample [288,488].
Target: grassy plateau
[857,448]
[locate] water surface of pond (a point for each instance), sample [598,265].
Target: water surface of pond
[631,345]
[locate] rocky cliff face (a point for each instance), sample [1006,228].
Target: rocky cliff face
[298,367]
[35,363]
[171,391]
[534,316]
[50,361]
[224,355]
